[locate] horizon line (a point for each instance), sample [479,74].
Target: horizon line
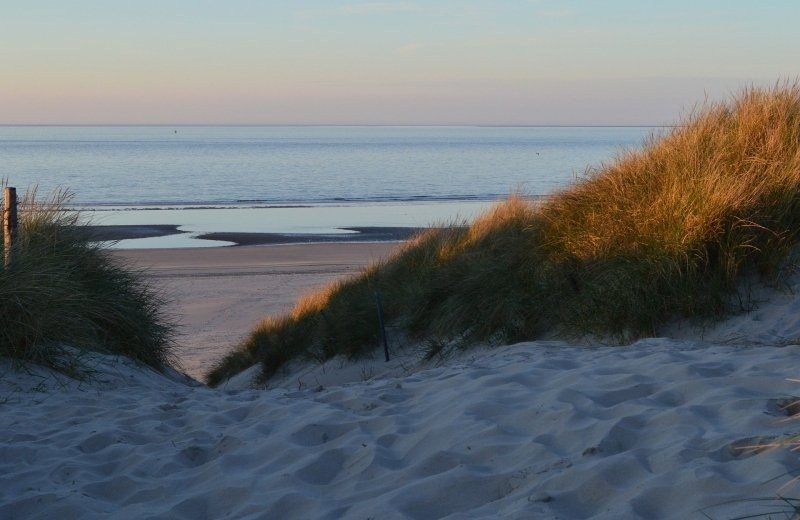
[476,125]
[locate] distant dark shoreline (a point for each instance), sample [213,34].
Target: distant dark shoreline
[362,234]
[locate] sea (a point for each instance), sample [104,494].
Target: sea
[298,179]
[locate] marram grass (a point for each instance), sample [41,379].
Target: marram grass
[61,290]
[662,232]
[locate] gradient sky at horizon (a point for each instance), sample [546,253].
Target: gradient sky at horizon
[525,62]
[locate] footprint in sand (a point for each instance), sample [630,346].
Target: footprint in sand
[712,369]
[98,442]
[193,456]
[784,406]
[316,434]
[324,469]
[743,448]
[615,397]
[623,436]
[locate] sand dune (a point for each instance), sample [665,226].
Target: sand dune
[659,429]
[669,428]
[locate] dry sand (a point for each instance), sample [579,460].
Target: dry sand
[660,429]
[670,428]
[219,294]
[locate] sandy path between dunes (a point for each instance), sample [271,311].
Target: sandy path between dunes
[657,430]
[218,294]
[667,428]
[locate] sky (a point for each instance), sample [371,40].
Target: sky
[470,62]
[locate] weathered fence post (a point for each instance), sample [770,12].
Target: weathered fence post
[9,222]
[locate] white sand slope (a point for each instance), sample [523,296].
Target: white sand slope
[659,429]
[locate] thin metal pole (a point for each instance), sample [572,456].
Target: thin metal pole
[9,222]
[380,322]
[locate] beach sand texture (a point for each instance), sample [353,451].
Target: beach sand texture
[660,429]
[663,428]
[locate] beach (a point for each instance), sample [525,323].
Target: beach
[683,427]
[661,429]
[217,295]
[400,260]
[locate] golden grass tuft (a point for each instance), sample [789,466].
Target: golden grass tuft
[659,233]
[61,290]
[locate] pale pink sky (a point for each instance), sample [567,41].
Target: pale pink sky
[338,62]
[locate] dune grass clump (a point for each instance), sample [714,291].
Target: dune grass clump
[663,232]
[61,290]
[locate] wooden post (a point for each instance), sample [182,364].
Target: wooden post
[9,221]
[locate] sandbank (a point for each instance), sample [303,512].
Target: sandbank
[356,234]
[127,232]
[113,233]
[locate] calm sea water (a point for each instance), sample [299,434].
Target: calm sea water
[381,175]
[136,165]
